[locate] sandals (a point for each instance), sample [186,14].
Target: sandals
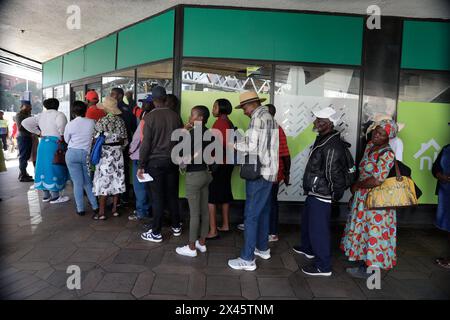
[116,214]
[223,230]
[99,217]
[217,236]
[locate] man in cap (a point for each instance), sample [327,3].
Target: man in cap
[261,142]
[24,140]
[323,182]
[93,112]
[155,159]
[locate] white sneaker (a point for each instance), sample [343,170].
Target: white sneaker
[149,236]
[273,238]
[241,226]
[61,199]
[186,251]
[241,264]
[199,247]
[262,254]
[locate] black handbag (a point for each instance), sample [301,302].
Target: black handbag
[251,171]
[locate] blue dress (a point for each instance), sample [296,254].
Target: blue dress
[443,209]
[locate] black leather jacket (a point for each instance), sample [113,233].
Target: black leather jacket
[325,171]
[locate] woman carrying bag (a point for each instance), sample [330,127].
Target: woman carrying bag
[370,234]
[109,176]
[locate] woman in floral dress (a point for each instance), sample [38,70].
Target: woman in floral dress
[370,235]
[109,176]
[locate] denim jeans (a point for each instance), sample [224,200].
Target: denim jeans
[315,232]
[256,217]
[140,191]
[76,160]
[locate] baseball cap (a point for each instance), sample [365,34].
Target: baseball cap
[158,92]
[25,102]
[148,98]
[91,95]
[326,113]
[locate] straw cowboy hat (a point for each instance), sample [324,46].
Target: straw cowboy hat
[110,106]
[247,97]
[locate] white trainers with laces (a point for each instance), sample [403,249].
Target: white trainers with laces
[241,264]
[262,254]
[60,199]
[186,251]
[199,247]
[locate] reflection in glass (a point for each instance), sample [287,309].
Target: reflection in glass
[424,86]
[299,90]
[160,74]
[122,79]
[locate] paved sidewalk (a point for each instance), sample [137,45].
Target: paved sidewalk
[39,241]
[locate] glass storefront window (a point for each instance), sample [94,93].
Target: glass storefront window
[299,90]
[47,93]
[205,82]
[121,79]
[62,93]
[423,115]
[424,86]
[152,75]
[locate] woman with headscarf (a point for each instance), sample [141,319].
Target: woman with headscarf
[109,176]
[370,235]
[49,125]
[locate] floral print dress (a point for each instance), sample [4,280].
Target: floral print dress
[370,235]
[109,176]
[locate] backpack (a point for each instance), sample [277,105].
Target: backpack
[351,173]
[97,149]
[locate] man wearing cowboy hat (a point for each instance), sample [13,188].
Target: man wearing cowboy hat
[261,141]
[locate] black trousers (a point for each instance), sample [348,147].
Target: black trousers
[25,145]
[4,141]
[164,187]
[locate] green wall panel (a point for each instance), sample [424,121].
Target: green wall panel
[426,45]
[265,35]
[73,68]
[100,56]
[148,41]
[52,72]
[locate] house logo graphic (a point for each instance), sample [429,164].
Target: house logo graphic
[427,155]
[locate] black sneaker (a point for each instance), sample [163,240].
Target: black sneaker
[298,250]
[313,271]
[81,213]
[26,179]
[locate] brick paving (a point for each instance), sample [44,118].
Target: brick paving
[39,241]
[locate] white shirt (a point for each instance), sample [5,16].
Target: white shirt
[397,146]
[79,132]
[49,123]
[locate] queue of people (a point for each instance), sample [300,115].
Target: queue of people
[144,137]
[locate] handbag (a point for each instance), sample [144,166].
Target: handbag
[394,192]
[97,149]
[60,155]
[251,171]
